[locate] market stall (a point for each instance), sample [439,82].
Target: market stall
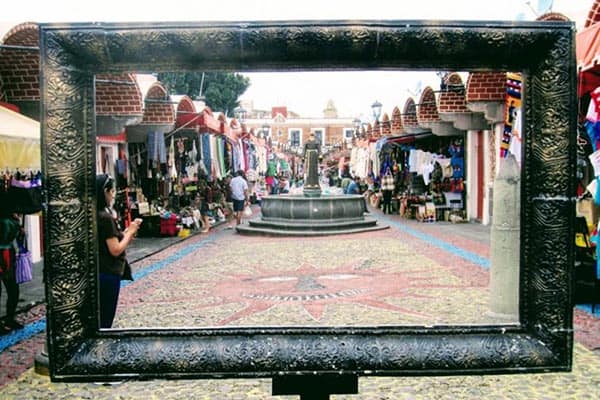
[20,159]
[427,171]
[587,267]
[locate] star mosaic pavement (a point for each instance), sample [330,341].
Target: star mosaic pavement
[353,280]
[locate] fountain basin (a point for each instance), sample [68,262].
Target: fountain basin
[298,215]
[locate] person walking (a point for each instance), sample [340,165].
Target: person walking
[112,242]
[239,195]
[9,230]
[387,190]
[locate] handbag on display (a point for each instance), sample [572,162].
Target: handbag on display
[23,265]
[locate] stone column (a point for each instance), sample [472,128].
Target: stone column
[505,241]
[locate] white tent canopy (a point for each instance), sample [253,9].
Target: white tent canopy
[19,141]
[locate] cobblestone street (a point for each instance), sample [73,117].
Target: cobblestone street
[412,273]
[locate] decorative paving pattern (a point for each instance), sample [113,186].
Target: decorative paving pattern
[364,279]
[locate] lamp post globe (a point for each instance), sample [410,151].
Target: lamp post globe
[376,107]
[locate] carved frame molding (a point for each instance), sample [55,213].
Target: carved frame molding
[72,53]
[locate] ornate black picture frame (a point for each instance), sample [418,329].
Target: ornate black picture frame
[71,54]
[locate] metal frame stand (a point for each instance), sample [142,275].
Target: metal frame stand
[314,387]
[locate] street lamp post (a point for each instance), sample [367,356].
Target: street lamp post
[265,132]
[356,135]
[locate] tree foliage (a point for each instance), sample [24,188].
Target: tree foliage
[221,90]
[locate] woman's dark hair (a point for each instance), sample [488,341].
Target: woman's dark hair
[103,182]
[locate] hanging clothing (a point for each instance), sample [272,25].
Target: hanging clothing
[238,156]
[206,155]
[261,153]
[375,164]
[412,160]
[215,164]
[193,153]
[245,154]
[221,157]
[171,160]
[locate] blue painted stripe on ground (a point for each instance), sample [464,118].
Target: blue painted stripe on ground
[588,309]
[141,274]
[467,255]
[27,332]
[484,262]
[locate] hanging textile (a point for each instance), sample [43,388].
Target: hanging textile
[206,155]
[238,159]
[513,111]
[425,167]
[457,161]
[252,156]
[171,163]
[261,153]
[193,154]
[162,147]
[122,162]
[374,160]
[221,157]
[226,155]
[152,148]
[181,158]
[157,151]
[245,154]
[412,160]
[215,172]
[360,167]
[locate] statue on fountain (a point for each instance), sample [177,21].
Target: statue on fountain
[312,150]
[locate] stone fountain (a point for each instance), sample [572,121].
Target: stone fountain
[311,214]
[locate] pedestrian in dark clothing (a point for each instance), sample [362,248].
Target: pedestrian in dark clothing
[9,230]
[112,242]
[387,189]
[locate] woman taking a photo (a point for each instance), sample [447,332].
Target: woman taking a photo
[112,242]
